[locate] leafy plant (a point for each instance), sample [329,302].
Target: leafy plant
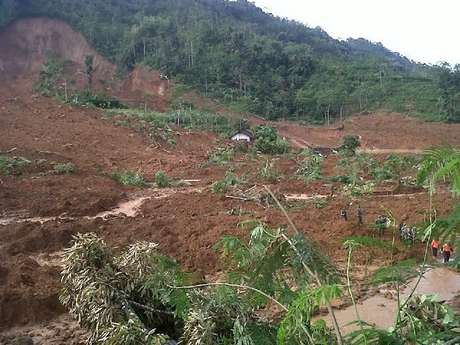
[129,178]
[269,173]
[50,73]
[309,169]
[267,141]
[399,272]
[191,119]
[89,98]
[221,156]
[350,145]
[223,186]
[162,180]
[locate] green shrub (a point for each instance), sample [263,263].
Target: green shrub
[221,156]
[162,180]
[269,173]
[64,168]
[102,101]
[220,187]
[191,119]
[129,178]
[350,144]
[267,141]
[223,186]
[50,73]
[309,169]
[401,272]
[7,164]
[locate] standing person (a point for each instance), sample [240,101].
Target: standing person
[435,247]
[344,214]
[446,250]
[360,213]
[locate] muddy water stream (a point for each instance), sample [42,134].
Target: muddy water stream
[381,311]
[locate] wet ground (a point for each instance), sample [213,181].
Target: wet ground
[381,309]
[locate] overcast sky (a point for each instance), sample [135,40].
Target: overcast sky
[423,30]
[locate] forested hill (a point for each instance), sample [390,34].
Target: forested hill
[235,52]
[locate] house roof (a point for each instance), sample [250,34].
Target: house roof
[245,132]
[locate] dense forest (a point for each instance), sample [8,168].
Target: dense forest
[254,61]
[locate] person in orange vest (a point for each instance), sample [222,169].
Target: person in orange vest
[446,250]
[435,247]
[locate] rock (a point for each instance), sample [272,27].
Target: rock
[22,341]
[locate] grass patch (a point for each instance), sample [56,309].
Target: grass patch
[7,164]
[367,241]
[399,272]
[64,168]
[191,119]
[129,178]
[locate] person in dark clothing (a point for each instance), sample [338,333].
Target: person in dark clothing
[360,215]
[446,250]
[344,214]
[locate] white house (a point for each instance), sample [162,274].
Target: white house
[243,135]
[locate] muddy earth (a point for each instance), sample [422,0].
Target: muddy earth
[40,210]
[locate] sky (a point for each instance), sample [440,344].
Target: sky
[423,30]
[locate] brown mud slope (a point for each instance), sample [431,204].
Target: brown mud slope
[377,131]
[27,43]
[47,132]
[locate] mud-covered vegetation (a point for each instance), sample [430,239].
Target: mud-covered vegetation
[233,51]
[9,164]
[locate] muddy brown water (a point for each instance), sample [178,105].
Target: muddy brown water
[381,311]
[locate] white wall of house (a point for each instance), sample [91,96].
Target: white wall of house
[241,137]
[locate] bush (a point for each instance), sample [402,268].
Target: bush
[223,186]
[269,173]
[49,76]
[220,187]
[97,100]
[129,178]
[267,141]
[309,169]
[162,180]
[219,124]
[221,156]
[350,144]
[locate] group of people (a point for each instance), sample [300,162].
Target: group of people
[359,213]
[446,250]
